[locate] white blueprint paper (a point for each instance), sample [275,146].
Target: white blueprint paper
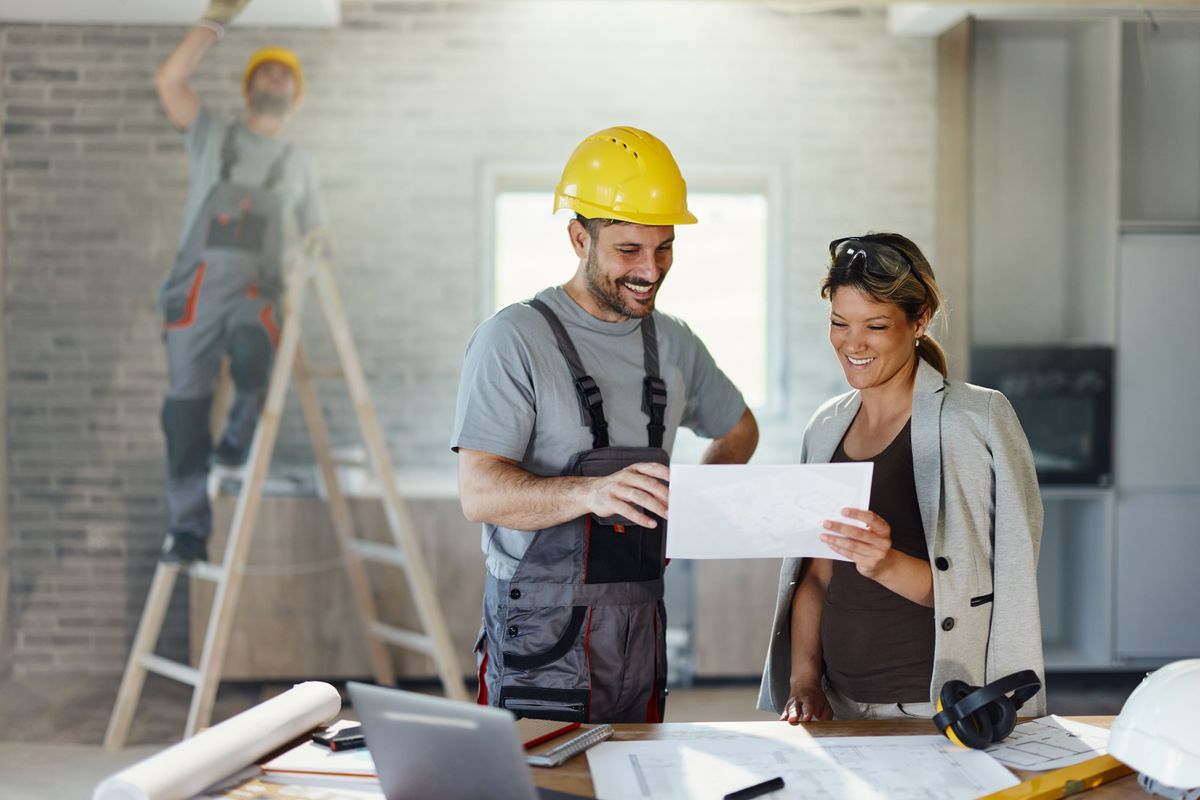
[1050,743]
[185,769]
[753,511]
[828,768]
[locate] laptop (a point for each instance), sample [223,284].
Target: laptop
[425,747]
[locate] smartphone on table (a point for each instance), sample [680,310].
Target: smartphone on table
[341,739]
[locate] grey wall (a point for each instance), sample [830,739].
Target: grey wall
[408,104]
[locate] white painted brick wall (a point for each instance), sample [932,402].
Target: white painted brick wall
[407,102]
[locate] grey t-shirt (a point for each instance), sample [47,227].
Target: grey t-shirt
[517,398]
[299,186]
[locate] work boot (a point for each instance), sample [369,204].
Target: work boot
[184,547]
[226,454]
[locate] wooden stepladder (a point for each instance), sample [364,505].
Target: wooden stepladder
[404,552]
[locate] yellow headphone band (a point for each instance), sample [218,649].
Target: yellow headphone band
[949,730]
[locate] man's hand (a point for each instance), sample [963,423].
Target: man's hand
[224,11]
[807,703]
[637,487]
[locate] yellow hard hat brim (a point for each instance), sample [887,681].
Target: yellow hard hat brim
[586,209]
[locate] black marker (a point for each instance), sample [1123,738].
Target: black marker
[756,790]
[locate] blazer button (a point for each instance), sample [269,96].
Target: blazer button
[941,563]
[513,630]
[947,624]
[515,594]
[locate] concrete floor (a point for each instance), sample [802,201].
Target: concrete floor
[51,728]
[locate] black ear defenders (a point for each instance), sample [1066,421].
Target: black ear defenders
[975,717]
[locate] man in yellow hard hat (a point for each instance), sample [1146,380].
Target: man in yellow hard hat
[567,412]
[252,197]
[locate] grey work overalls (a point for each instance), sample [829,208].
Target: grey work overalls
[220,299]
[578,632]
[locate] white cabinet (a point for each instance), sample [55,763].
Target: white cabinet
[1073,578]
[1157,588]
[1043,200]
[1158,391]
[1160,137]
[1158,440]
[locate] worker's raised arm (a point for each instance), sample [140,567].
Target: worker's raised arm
[172,80]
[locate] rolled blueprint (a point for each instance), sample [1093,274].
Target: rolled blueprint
[191,766]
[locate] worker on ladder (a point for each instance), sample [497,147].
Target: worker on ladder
[567,411]
[252,196]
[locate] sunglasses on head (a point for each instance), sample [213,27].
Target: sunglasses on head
[854,252]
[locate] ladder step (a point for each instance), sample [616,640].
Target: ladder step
[171,669]
[349,461]
[325,373]
[403,638]
[206,570]
[382,553]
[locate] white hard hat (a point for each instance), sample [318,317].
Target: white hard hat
[1157,732]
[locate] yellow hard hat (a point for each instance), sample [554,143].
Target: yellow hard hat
[624,174]
[283,56]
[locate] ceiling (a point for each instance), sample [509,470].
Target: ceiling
[268,13]
[904,18]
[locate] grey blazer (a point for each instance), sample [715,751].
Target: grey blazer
[982,514]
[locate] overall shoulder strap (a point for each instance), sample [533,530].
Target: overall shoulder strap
[585,386]
[275,171]
[654,388]
[228,152]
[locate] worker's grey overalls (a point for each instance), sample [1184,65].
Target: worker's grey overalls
[578,632]
[220,299]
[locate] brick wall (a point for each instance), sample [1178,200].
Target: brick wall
[408,103]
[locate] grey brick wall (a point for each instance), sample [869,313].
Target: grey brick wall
[407,104]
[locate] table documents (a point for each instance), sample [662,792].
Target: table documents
[753,511]
[1050,743]
[310,758]
[860,767]
[844,744]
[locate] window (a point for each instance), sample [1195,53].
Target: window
[719,284]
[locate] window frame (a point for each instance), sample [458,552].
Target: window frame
[762,179]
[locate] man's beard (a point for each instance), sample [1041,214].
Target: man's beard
[269,104]
[609,296]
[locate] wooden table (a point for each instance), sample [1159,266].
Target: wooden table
[574,776]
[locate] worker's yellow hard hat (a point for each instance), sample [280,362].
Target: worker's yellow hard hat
[284,56]
[624,174]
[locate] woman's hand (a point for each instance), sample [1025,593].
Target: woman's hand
[872,553]
[869,549]
[807,703]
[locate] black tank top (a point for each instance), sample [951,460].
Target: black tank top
[878,646]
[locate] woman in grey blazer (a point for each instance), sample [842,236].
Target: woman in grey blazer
[950,592]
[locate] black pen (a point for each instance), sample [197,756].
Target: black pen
[756,790]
